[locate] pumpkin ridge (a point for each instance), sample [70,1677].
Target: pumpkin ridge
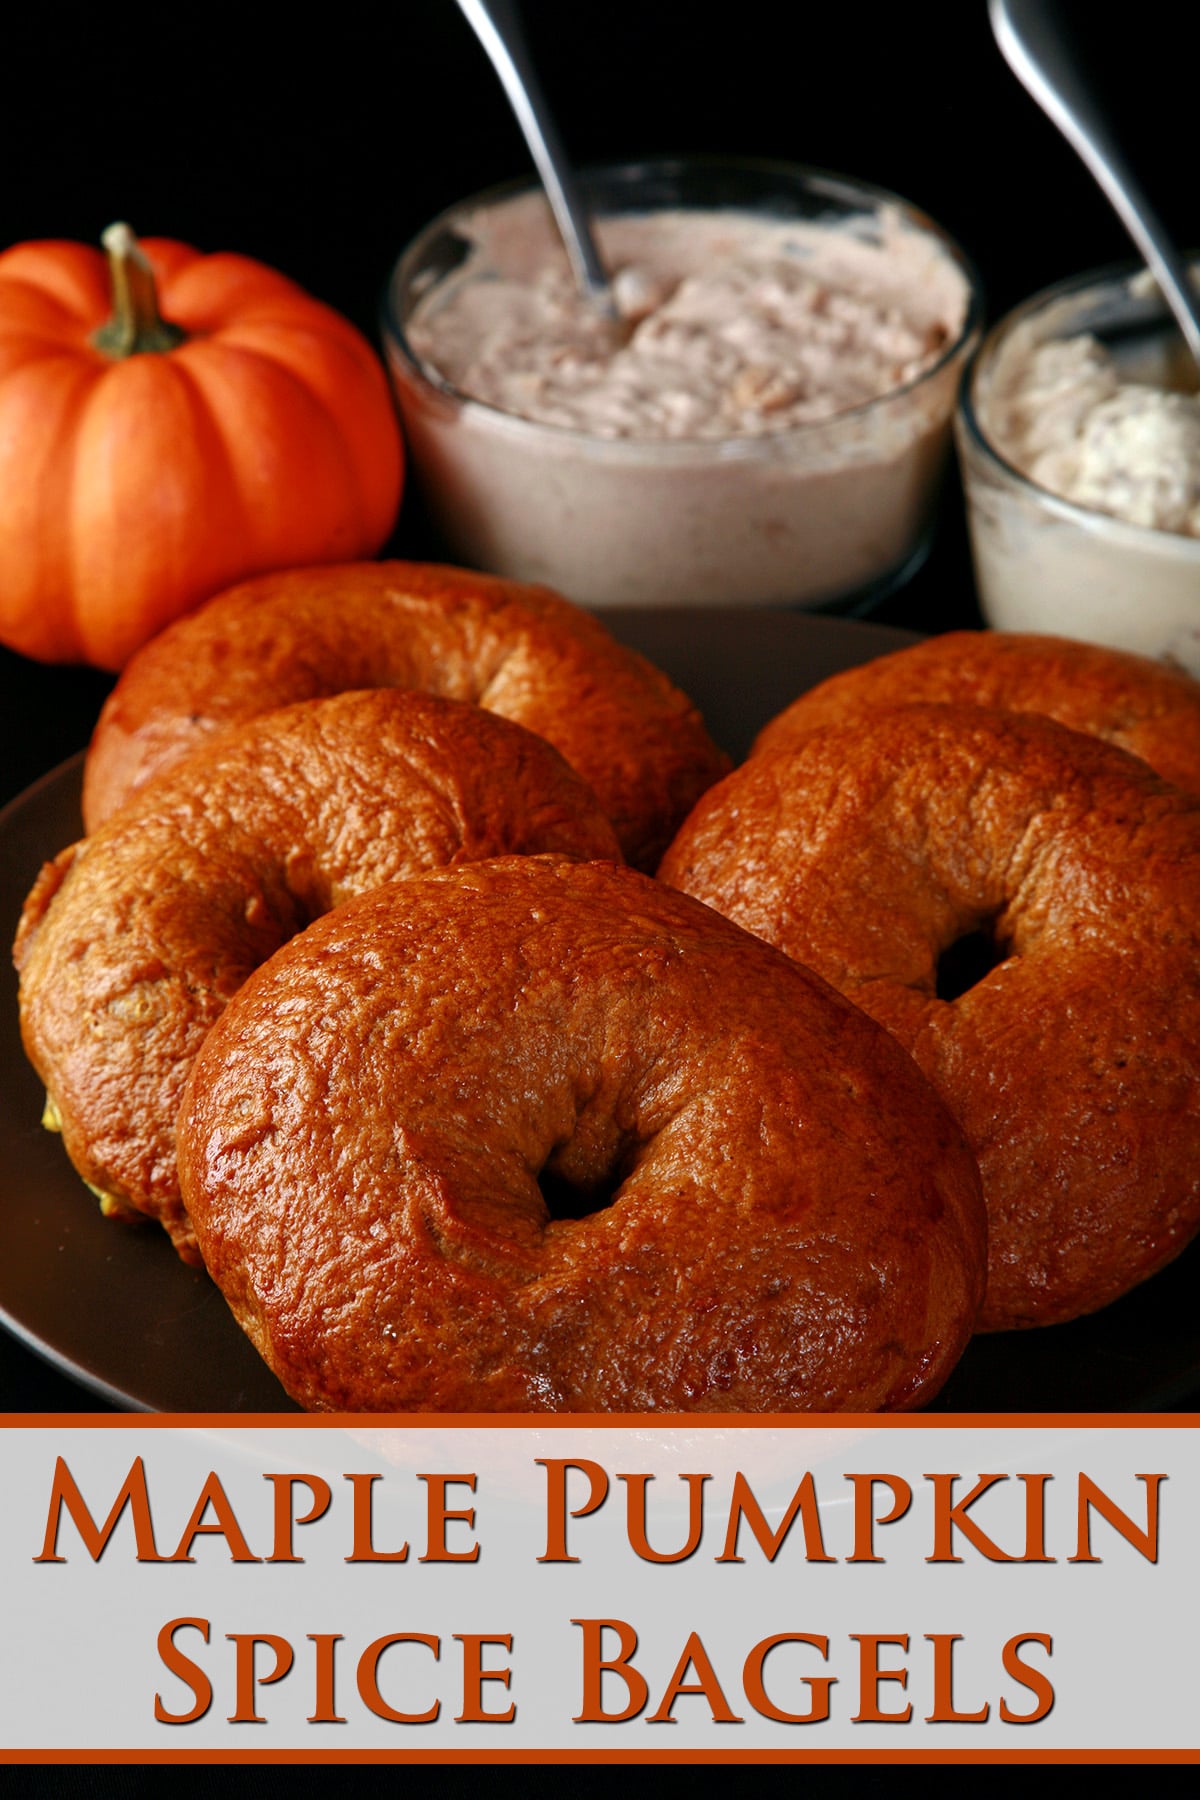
[113,613]
[225,282]
[56,313]
[374,474]
[55,485]
[28,352]
[376,468]
[258,332]
[72,276]
[329,456]
[184,370]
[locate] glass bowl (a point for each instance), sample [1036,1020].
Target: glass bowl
[1044,563]
[813,515]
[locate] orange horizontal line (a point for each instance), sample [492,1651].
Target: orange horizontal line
[1172,1421]
[705,1755]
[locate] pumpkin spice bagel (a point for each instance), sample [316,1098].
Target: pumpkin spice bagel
[1142,706]
[531,1136]
[132,941]
[520,651]
[869,851]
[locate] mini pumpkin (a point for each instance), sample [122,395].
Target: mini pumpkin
[169,423]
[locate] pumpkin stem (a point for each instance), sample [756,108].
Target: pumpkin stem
[136,324]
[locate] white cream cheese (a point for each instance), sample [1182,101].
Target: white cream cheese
[1065,417]
[1099,540]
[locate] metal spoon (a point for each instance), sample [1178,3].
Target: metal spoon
[1033,46]
[496,26]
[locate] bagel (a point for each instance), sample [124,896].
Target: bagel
[1142,706]
[756,1200]
[522,652]
[132,941]
[869,850]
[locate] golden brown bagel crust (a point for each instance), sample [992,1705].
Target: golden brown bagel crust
[1140,705]
[796,1222]
[519,651]
[1073,1066]
[132,942]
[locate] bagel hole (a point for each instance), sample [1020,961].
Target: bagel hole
[584,1175]
[574,1200]
[964,963]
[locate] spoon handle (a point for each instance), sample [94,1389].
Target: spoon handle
[1035,50]
[496,26]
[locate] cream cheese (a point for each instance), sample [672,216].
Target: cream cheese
[732,325]
[1064,416]
[766,423]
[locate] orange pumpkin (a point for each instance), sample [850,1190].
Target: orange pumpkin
[149,458]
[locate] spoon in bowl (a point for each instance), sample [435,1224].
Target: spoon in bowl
[495,24]
[1036,51]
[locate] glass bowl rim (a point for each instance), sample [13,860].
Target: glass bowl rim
[1088,518]
[862,196]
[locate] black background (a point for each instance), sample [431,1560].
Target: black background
[320,142]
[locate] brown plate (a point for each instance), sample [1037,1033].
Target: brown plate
[112,1307]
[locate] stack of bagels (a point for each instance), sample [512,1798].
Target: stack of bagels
[363,985]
